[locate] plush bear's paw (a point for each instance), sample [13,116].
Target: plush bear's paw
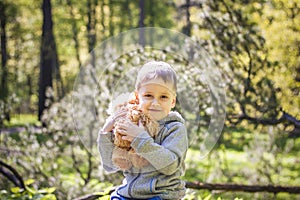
[137,161]
[120,158]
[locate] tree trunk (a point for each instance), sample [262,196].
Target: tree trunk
[130,19]
[4,71]
[141,23]
[111,14]
[91,28]
[102,21]
[91,24]
[48,56]
[187,29]
[75,32]
[58,80]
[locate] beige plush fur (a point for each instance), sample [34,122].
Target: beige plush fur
[124,155]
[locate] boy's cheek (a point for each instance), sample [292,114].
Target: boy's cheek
[143,106]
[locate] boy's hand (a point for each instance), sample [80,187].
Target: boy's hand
[110,121]
[130,130]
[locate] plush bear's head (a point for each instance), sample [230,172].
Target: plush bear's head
[123,155]
[136,115]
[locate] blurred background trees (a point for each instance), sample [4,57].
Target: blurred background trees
[255,44]
[257,40]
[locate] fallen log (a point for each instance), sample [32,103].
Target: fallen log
[218,186]
[243,188]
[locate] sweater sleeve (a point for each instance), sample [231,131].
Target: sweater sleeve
[167,157]
[106,146]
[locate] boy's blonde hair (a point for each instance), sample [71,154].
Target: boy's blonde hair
[156,70]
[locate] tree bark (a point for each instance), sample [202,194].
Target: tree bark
[217,186]
[4,71]
[141,23]
[110,21]
[243,188]
[102,21]
[285,117]
[187,29]
[75,32]
[188,26]
[91,24]
[48,61]
[11,174]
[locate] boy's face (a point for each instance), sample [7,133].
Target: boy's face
[156,99]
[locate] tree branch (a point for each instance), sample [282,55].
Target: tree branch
[75,165]
[243,188]
[285,117]
[191,4]
[11,174]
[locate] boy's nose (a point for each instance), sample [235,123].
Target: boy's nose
[155,101]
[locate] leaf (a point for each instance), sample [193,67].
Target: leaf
[48,197]
[31,190]
[3,192]
[107,190]
[15,190]
[47,190]
[51,190]
[107,197]
[29,182]
[208,197]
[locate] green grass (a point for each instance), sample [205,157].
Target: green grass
[229,162]
[21,120]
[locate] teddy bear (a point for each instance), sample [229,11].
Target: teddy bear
[123,155]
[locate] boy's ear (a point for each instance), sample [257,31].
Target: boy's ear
[173,102]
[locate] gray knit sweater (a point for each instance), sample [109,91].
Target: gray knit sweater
[165,153]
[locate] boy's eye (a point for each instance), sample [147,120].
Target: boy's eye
[164,97]
[147,95]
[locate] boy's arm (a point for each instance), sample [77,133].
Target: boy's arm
[168,156]
[105,143]
[106,146]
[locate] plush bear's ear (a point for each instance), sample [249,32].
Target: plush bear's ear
[134,99]
[118,101]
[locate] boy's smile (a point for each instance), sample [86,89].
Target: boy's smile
[156,99]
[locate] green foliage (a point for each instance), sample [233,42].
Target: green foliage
[22,120]
[246,156]
[281,23]
[6,106]
[255,44]
[47,157]
[28,193]
[54,160]
[159,14]
[241,51]
[260,67]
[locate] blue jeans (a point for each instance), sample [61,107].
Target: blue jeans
[116,196]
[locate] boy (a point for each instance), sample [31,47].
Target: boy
[156,91]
